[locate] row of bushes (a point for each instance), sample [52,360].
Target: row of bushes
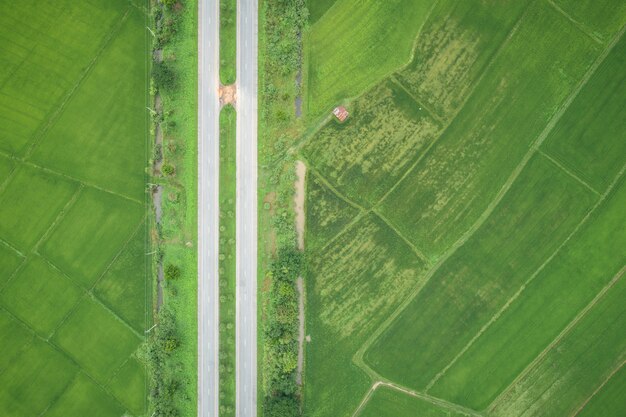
[164,373]
[163,379]
[281,336]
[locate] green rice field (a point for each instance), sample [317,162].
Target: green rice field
[74,287]
[465,224]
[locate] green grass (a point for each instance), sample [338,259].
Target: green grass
[472,285]
[368,153]
[317,8]
[33,380]
[9,261]
[227,262]
[128,386]
[96,216]
[85,398]
[563,288]
[572,369]
[388,402]
[43,59]
[179,223]
[73,126]
[6,167]
[31,202]
[457,42]
[326,213]
[586,138]
[108,108]
[601,18]
[355,44]
[97,340]
[40,295]
[444,194]
[20,337]
[123,286]
[609,401]
[348,295]
[228,41]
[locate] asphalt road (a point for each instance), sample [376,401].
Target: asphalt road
[208,207]
[246,323]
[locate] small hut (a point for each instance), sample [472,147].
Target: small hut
[341,113]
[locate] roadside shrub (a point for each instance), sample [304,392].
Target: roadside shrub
[168,169]
[172,272]
[163,75]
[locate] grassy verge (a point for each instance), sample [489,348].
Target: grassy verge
[227,259]
[228,41]
[281,27]
[174,341]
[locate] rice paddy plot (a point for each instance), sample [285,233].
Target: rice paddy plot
[356,43]
[326,213]
[568,283]
[570,371]
[40,296]
[456,43]
[317,8]
[364,156]
[32,200]
[91,233]
[352,285]
[602,19]
[609,400]
[46,49]
[589,139]
[450,188]
[105,122]
[97,340]
[85,398]
[123,286]
[477,280]
[9,261]
[389,402]
[34,379]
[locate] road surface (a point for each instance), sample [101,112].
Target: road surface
[208,209]
[246,323]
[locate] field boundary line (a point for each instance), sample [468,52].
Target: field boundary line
[67,176]
[442,122]
[344,229]
[83,182]
[568,172]
[414,248]
[61,394]
[59,217]
[532,277]
[581,314]
[11,247]
[386,76]
[88,291]
[453,116]
[333,189]
[53,116]
[5,182]
[366,398]
[602,384]
[358,357]
[576,23]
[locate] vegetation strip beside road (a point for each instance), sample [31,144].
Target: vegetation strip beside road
[227,260]
[228,41]
[281,25]
[173,342]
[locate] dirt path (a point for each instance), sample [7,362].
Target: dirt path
[300,287]
[298,199]
[299,202]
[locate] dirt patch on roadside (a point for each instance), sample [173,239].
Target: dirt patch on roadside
[299,202]
[228,94]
